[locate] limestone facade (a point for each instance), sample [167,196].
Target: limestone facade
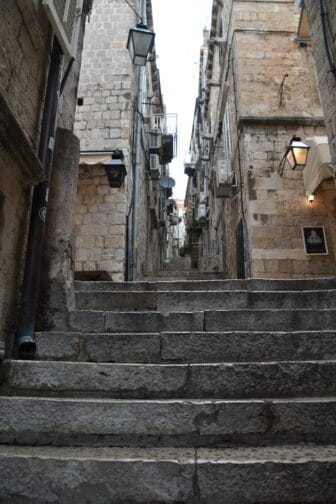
[106,119]
[319,14]
[24,39]
[25,46]
[258,91]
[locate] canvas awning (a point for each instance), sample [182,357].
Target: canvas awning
[319,166]
[94,158]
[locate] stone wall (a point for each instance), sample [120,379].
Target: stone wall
[326,79]
[24,39]
[270,82]
[105,121]
[278,208]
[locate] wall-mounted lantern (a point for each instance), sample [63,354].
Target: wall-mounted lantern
[115,169]
[296,153]
[140,43]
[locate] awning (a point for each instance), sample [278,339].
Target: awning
[94,158]
[319,166]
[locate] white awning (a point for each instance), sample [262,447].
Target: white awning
[319,166]
[94,158]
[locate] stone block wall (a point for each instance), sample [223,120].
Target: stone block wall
[279,71]
[105,120]
[326,78]
[100,223]
[103,123]
[24,37]
[24,43]
[272,95]
[277,209]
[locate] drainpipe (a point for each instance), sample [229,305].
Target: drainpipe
[136,162]
[24,343]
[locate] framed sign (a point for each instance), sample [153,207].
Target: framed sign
[314,240]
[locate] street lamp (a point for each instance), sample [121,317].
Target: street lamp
[296,153]
[140,43]
[115,169]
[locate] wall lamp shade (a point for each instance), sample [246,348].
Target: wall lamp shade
[140,43]
[297,153]
[115,169]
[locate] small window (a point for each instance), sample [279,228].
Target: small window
[80,102]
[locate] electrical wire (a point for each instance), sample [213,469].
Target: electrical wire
[325,37]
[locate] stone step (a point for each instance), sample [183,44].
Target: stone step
[267,320]
[153,381]
[282,475]
[219,284]
[209,321]
[203,300]
[184,422]
[186,346]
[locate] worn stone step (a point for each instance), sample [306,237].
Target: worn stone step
[209,321]
[186,346]
[268,320]
[145,321]
[219,284]
[221,380]
[99,476]
[203,300]
[282,475]
[184,422]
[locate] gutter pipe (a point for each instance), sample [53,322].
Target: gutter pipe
[25,345]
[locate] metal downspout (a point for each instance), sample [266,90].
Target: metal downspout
[24,343]
[136,164]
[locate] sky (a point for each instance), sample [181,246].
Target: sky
[178,26]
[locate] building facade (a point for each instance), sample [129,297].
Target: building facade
[33,60]
[121,232]
[248,211]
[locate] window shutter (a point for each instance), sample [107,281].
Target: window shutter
[64,17]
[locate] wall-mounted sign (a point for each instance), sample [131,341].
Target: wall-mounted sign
[314,240]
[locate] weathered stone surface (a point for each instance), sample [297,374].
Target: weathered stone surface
[153,322]
[247,346]
[58,345]
[203,300]
[105,300]
[189,285]
[166,422]
[96,476]
[84,320]
[186,346]
[231,380]
[131,347]
[111,380]
[282,475]
[165,475]
[270,320]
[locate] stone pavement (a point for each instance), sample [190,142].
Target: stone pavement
[185,391]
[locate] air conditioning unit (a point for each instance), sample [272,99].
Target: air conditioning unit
[65,18]
[224,178]
[202,211]
[154,166]
[189,169]
[154,141]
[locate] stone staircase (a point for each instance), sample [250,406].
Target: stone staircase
[205,392]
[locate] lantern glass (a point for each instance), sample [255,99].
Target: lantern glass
[115,169]
[297,153]
[140,44]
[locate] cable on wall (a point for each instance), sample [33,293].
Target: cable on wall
[325,38]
